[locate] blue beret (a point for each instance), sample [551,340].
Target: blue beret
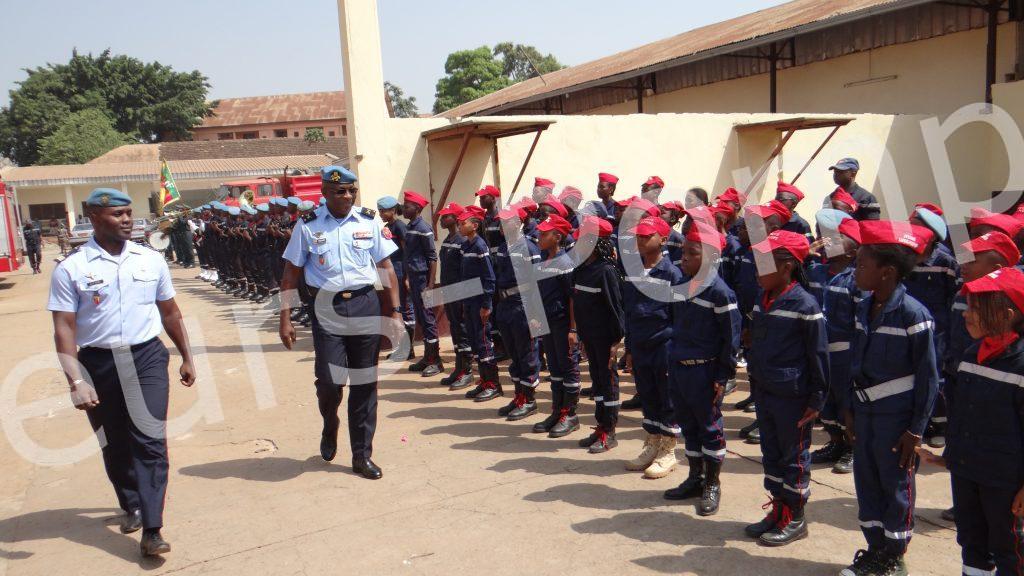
[323,200]
[846,164]
[249,210]
[294,200]
[264,207]
[278,201]
[204,207]
[197,210]
[386,202]
[829,219]
[108,197]
[217,205]
[234,210]
[307,205]
[933,221]
[338,174]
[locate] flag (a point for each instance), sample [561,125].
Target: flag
[168,189]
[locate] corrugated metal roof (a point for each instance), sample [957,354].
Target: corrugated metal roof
[786,17]
[150,171]
[274,109]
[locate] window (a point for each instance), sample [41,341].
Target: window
[344,131]
[296,134]
[46,212]
[225,136]
[331,133]
[280,133]
[248,135]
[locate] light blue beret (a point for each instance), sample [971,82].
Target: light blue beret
[306,205]
[338,174]
[932,221]
[386,202]
[234,210]
[264,207]
[294,200]
[829,219]
[283,202]
[108,197]
[323,200]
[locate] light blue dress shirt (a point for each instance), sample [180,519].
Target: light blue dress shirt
[339,254]
[113,297]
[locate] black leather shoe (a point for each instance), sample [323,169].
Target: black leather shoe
[329,442]
[490,391]
[829,453]
[795,529]
[632,404]
[730,387]
[131,522]
[604,443]
[476,390]
[522,410]
[367,469]
[566,424]
[153,544]
[745,402]
[588,392]
[463,381]
[754,437]
[712,494]
[767,523]
[746,430]
[546,424]
[432,369]
[593,437]
[845,463]
[750,408]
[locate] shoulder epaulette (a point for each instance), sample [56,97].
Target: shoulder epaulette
[308,217]
[368,213]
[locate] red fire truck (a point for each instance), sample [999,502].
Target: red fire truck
[259,190]
[9,233]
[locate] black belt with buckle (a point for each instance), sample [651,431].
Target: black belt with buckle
[696,361]
[345,294]
[509,292]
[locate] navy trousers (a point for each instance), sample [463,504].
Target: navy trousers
[132,416]
[885,492]
[349,357]
[477,332]
[698,414]
[424,314]
[785,451]
[404,302]
[457,326]
[840,381]
[605,380]
[650,372]
[563,362]
[510,318]
[990,536]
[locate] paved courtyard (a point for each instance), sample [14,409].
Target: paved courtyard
[462,490]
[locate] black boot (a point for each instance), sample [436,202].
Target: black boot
[491,384]
[694,483]
[411,332]
[507,409]
[457,372]
[432,354]
[830,452]
[423,362]
[605,442]
[329,412]
[712,495]
[742,404]
[754,436]
[568,421]
[774,508]
[845,463]
[548,423]
[466,376]
[792,526]
[525,405]
[632,404]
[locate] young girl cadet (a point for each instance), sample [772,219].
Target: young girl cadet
[789,360]
[476,263]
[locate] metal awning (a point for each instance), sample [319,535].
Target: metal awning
[786,128]
[489,128]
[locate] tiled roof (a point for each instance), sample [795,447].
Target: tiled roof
[129,153]
[150,171]
[778,19]
[274,109]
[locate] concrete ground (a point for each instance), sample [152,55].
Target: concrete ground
[462,489]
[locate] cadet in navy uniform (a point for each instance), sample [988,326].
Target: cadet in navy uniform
[844,174]
[388,207]
[672,211]
[420,272]
[790,196]
[450,259]
[702,358]
[985,445]
[597,310]
[33,245]
[109,300]
[476,310]
[605,206]
[341,249]
[789,360]
[648,337]
[895,382]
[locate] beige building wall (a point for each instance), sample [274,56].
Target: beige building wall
[139,192]
[267,130]
[934,76]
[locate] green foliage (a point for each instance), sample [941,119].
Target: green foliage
[470,75]
[522,62]
[314,135]
[148,102]
[403,107]
[81,137]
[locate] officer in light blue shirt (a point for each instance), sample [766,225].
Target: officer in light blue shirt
[343,251]
[110,301]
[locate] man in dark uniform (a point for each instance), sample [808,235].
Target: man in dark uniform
[110,300]
[420,269]
[33,245]
[844,173]
[343,252]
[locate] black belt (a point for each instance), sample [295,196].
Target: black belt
[510,292]
[345,294]
[696,362]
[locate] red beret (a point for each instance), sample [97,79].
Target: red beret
[655,181]
[626,202]
[773,208]
[1009,281]
[558,206]
[706,234]
[924,235]
[415,198]
[489,190]
[792,242]
[783,187]
[527,204]
[452,208]
[570,192]
[645,205]
[930,207]
[472,212]
[843,196]
[594,225]
[1008,224]
[723,208]
[543,183]
[609,178]
[850,228]
[511,212]
[995,242]
[674,205]
[732,195]
[651,225]
[556,223]
[874,232]
[701,214]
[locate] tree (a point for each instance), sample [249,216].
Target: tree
[470,74]
[404,107]
[148,102]
[520,61]
[81,137]
[314,135]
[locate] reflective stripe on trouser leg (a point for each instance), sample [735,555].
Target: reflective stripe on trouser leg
[885,491]
[698,415]
[650,372]
[784,447]
[424,314]
[605,381]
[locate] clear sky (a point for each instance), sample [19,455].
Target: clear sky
[261,47]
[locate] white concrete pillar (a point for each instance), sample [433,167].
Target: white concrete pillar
[367,112]
[69,203]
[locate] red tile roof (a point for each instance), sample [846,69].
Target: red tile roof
[274,109]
